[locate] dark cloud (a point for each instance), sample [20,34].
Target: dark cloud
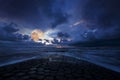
[105,15]
[62,35]
[23,8]
[59,19]
[21,37]
[105,12]
[35,12]
[9,32]
[11,28]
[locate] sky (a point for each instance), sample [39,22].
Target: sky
[82,20]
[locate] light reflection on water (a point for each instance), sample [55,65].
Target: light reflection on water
[107,59]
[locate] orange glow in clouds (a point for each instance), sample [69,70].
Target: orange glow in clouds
[37,34]
[40,36]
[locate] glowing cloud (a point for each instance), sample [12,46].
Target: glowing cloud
[37,34]
[78,23]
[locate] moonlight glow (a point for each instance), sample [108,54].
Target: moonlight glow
[37,34]
[40,36]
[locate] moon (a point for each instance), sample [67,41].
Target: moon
[37,34]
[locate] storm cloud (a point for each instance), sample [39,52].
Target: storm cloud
[101,18]
[9,32]
[105,15]
[35,12]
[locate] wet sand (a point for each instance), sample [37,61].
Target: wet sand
[56,68]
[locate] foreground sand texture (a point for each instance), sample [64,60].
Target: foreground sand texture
[56,68]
